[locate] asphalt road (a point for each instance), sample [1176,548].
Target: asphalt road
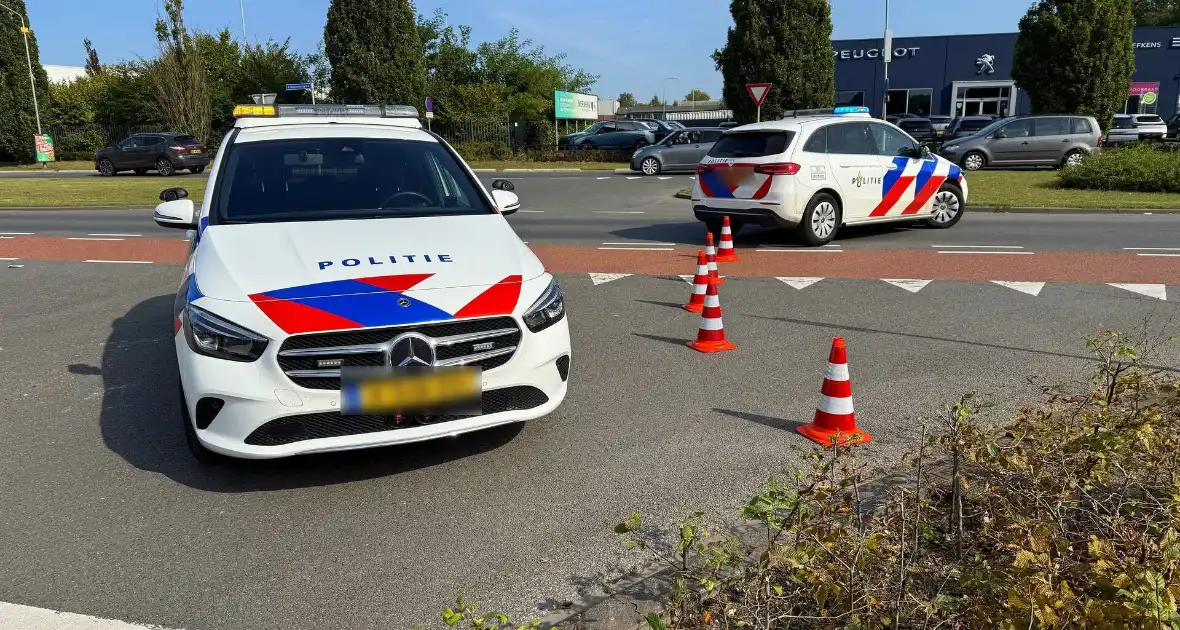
[104,513]
[613,210]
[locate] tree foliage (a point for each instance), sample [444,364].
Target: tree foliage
[376,52]
[179,77]
[1156,12]
[627,99]
[1076,56]
[655,101]
[783,42]
[697,95]
[17,121]
[93,67]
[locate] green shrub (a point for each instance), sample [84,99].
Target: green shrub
[483,150]
[1139,168]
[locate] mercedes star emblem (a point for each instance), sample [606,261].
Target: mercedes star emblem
[411,349]
[403,302]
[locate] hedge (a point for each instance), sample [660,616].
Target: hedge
[1138,168]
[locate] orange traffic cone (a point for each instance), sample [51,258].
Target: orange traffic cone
[725,251]
[696,301]
[711,334]
[711,257]
[835,418]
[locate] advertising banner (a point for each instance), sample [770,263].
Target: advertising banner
[44,146]
[574,106]
[1148,93]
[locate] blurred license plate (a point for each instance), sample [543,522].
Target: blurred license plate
[450,391]
[195,151]
[735,176]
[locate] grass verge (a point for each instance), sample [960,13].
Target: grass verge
[1042,189]
[72,165]
[80,165]
[93,191]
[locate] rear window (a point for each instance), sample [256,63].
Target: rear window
[969,124]
[185,140]
[325,179]
[1123,122]
[1150,119]
[752,144]
[1080,125]
[914,125]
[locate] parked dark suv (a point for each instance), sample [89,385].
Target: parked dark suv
[164,153]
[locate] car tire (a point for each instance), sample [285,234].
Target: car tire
[1073,158]
[820,220]
[650,166]
[106,168]
[973,161]
[203,455]
[949,207]
[197,170]
[165,168]
[587,146]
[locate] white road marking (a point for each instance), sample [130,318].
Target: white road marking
[9,259]
[632,178]
[603,278]
[90,238]
[642,249]
[1031,288]
[663,178]
[660,243]
[977,246]
[801,250]
[799,282]
[601,178]
[1165,255]
[1152,249]
[617,211]
[975,251]
[530,211]
[19,617]
[1157,291]
[114,235]
[7,237]
[913,286]
[121,262]
[16,233]
[773,246]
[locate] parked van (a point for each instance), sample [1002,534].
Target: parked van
[1038,140]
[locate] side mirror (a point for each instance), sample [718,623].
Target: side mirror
[925,152]
[502,184]
[172,194]
[180,213]
[506,202]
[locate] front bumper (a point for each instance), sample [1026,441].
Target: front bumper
[260,402]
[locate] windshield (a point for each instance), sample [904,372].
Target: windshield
[981,127]
[676,125]
[326,179]
[592,128]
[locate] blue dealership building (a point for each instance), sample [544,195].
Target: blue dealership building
[959,75]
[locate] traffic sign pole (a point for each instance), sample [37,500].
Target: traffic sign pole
[758,92]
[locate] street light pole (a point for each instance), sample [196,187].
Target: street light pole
[29,60]
[886,54]
[664,100]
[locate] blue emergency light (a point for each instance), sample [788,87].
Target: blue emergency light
[843,110]
[326,110]
[850,109]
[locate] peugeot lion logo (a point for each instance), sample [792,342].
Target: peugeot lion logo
[986,64]
[411,350]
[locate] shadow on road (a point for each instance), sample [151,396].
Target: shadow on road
[140,421]
[767,421]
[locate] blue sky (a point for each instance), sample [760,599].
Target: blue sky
[632,46]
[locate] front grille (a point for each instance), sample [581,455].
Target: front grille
[310,360]
[313,426]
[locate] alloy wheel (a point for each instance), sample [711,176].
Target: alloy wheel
[823,220]
[650,166]
[945,206]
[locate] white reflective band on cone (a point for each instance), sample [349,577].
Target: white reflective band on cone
[713,324]
[712,300]
[699,289]
[837,372]
[835,406]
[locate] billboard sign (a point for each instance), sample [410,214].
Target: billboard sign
[574,106]
[44,145]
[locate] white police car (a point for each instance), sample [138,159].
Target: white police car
[815,170]
[340,247]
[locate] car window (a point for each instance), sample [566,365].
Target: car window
[752,144]
[131,142]
[1080,125]
[711,135]
[670,139]
[608,127]
[1052,126]
[675,125]
[851,139]
[185,140]
[818,142]
[324,179]
[1149,119]
[892,142]
[690,137]
[1123,122]
[593,128]
[1022,128]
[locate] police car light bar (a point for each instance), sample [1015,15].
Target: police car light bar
[843,110]
[326,110]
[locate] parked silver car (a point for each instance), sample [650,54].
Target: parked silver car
[1135,128]
[1038,140]
[679,151]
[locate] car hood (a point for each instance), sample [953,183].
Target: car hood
[574,136]
[358,270]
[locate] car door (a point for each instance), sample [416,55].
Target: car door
[607,136]
[153,150]
[911,180]
[678,152]
[127,152]
[857,169]
[1050,140]
[1013,143]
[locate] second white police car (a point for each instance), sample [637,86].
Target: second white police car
[351,284]
[816,170]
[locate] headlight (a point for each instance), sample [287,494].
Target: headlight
[212,336]
[547,310]
[951,147]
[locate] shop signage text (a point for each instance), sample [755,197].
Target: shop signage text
[1148,45]
[874,53]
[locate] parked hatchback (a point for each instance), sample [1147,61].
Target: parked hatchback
[1136,128]
[920,129]
[679,151]
[164,153]
[1027,141]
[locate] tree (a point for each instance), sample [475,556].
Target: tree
[17,120]
[376,53]
[178,75]
[93,67]
[783,42]
[1156,12]
[450,64]
[654,102]
[1076,56]
[627,99]
[697,95]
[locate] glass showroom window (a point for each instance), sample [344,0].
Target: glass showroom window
[856,98]
[915,101]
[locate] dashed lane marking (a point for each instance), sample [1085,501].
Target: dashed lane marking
[617,211]
[801,250]
[1152,249]
[531,211]
[977,251]
[1157,291]
[1160,255]
[128,235]
[19,617]
[640,249]
[630,178]
[603,278]
[92,238]
[663,178]
[601,178]
[977,247]
[1031,288]
[659,243]
[9,259]
[911,285]
[121,262]
[799,282]
[17,233]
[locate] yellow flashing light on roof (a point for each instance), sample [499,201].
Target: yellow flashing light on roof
[241,111]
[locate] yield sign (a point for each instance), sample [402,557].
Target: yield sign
[758,92]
